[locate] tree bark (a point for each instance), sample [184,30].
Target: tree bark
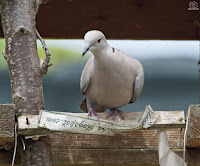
[26,71]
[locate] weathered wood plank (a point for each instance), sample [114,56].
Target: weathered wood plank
[165,119]
[193,134]
[6,157]
[141,157]
[6,125]
[28,125]
[137,139]
[135,148]
[130,19]
[106,157]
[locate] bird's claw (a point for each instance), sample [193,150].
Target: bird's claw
[92,113]
[113,112]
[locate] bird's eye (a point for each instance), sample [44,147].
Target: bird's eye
[99,40]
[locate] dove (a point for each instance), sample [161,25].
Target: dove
[110,79]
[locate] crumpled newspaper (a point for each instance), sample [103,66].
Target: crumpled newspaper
[166,156]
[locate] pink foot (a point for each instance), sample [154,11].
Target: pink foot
[92,113]
[113,112]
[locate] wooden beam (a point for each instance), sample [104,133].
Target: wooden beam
[129,19]
[130,148]
[28,125]
[193,139]
[141,157]
[138,139]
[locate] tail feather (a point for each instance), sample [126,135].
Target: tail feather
[83,105]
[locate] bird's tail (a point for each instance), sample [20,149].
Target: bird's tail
[83,105]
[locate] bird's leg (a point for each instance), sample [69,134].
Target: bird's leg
[110,114]
[92,113]
[121,113]
[114,113]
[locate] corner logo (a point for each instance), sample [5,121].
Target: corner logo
[193,6]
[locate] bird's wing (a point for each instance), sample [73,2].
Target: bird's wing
[137,88]
[137,71]
[86,75]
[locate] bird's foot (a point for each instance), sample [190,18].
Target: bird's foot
[92,113]
[113,112]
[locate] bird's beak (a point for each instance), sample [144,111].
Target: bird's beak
[86,49]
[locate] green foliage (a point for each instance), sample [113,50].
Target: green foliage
[3,63]
[60,56]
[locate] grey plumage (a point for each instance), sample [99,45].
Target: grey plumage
[110,78]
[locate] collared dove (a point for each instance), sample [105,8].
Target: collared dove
[110,79]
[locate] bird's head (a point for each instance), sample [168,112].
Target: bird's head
[94,41]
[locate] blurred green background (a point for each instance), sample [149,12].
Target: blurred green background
[171,74]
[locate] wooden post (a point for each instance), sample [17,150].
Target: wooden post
[26,71]
[193,133]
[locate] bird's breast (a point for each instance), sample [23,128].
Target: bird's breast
[111,88]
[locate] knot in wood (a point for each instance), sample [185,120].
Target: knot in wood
[22,30]
[17,97]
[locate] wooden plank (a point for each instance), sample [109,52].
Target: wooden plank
[6,125]
[165,119]
[137,139]
[129,19]
[140,157]
[135,148]
[193,134]
[28,125]
[169,119]
[131,148]
[6,157]
[106,157]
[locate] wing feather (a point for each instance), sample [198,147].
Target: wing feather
[86,75]
[138,86]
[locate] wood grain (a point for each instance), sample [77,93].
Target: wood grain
[63,156]
[136,148]
[138,139]
[6,125]
[193,139]
[140,157]
[165,119]
[129,19]
[28,125]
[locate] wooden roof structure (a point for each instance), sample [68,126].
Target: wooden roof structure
[119,19]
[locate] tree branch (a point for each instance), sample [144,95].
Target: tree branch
[4,54]
[45,63]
